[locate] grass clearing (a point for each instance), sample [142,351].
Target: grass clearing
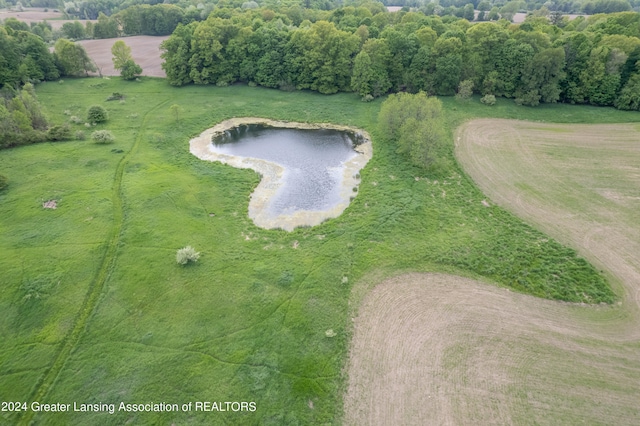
[121,321]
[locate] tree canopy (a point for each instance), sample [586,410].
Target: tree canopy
[352,49]
[415,123]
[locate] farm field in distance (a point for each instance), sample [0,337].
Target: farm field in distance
[145,51]
[97,310]
[38,14]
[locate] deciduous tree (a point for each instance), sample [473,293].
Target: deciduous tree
[416,124]
[72,59]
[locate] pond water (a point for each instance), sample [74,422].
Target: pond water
[313,161]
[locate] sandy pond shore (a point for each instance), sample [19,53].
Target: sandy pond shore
[272,173]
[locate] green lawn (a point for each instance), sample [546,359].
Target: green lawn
[95,308]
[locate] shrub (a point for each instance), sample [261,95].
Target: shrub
[187,254]
[130,70]
[115,96]
[59,132]
[102,136]
[97,114]
[465,90]
[367,98]
[488,100]
[76,120]
[4,182]
[80,135]
[35,289]
[286,278]
[286,86]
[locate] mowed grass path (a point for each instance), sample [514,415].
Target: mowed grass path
[96,309]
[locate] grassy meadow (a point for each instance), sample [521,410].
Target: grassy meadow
[95,308]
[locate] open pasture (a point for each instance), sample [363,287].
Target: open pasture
[95,308]
[443,349]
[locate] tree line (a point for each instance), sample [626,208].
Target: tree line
[593,61]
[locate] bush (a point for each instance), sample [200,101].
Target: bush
[286,86]
[97,114]
[115,96]
[59,133]
[35,289]
[76,120]
[187,254]
[465,90]
[4,182]
[367,98]
[102,136]
[80,135]
[488,100]
[130,70]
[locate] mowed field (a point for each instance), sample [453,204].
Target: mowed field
[441,349]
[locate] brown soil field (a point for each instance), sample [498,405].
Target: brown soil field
[35,14]
[441,349]
[431,349]
[144,49]
[30,14]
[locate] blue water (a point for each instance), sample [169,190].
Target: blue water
[312,160]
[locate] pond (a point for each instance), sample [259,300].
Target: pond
[312,161]
[310,172]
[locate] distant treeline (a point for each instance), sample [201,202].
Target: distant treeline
[594,60]
[90,9]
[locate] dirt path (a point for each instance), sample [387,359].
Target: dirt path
[440,349]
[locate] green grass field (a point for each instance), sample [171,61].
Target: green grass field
[95,308]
